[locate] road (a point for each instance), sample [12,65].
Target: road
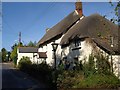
[15,79]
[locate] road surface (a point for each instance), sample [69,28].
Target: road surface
[13,78]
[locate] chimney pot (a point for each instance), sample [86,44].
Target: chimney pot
[78,6]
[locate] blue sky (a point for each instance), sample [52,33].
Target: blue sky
[32,18]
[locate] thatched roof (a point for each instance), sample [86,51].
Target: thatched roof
[60,27]
[96,27]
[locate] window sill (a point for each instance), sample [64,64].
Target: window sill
[76,48]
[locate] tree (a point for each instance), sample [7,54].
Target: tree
[13,55]
[31,44]
[13,46]
[4,53]
[20,44]
[9,53]
[116,12]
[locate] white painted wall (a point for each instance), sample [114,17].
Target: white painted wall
[30,55]
[48,48]
[85,51]
[82,53]
[116,64]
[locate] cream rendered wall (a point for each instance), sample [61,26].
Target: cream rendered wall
[116,64]
[48,48]
[20,55]
[85,51]
[30,55]
[82,53]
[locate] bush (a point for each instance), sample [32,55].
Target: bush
[102,64]
[99,81]
[73,79]
[93,75]
[24,64]
[89,67]
[69,78]
[42,72]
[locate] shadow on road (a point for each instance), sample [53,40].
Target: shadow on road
[15,79]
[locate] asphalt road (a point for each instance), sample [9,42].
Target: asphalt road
[15,79]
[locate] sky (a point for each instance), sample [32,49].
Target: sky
[32,18]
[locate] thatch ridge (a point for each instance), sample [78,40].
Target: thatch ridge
[60,27]
[96,27]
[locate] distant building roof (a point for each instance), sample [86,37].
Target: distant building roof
[96,27]
[42,54]
[28,50]
[60,28]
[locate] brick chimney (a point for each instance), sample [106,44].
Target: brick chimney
[78,6]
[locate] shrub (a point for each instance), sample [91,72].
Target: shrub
[24,64]
[73,79]
[93,75]
[89,67]
[102,64]
[68,79]
[42,71]
[99,81]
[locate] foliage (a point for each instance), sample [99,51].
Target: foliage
[95,74]
[102,64]
[42,71]
[98,81]
[68,78]
[73,79]
[13,46]
[116,12]
[89,67]
[4,53]
[31,44]
[13,55]
[8,55]
[24,63]
[20,44]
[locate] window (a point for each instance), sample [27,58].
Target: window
[77,43]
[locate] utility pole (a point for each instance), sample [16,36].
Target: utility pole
[19,37]
[19,43]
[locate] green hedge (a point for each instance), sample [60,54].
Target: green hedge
[98,81]
[76,79]
[24,63]
[92,75]
[42,72]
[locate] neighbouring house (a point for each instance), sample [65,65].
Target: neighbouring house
[32,53]
[79,36]
[56,33]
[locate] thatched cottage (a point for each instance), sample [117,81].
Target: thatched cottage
[56,33]
[79,36]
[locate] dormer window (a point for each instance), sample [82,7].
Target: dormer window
[77,43]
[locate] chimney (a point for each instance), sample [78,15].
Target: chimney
[47,29]
[78,6]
